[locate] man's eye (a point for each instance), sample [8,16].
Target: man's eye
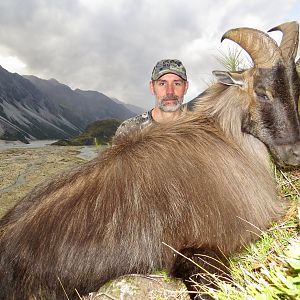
[178,83]
[161,83]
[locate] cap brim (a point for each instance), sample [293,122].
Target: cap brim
[162,73]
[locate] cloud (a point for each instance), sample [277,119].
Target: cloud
[112,46]
[12,62]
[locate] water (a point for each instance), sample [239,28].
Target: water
[5,145]
[86,152]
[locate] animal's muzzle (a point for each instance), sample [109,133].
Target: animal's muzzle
[288,155]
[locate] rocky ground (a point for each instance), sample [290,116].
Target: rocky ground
[22,169]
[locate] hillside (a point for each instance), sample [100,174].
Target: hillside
[96,133]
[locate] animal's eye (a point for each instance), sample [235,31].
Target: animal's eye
[262,96]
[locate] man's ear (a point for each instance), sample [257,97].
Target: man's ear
[151,85]
[186,86]
[229,78]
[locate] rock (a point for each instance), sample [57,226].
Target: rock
[140,287]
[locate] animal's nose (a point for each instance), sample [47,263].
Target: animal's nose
[296,150]
[293,153]
[288,154]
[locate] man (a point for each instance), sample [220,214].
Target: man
[169,85]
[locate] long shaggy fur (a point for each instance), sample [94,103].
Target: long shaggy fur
[197,182]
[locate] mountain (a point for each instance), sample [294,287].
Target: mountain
[86,106]
[34,108]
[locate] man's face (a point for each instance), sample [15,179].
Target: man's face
[169,91]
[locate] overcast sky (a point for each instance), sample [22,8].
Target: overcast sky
[112,46]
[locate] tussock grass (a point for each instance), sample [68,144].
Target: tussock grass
[234,59]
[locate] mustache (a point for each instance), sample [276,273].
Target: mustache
[169,97]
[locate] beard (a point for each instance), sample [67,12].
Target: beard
[165,107]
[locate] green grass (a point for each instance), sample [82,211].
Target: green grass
[270,268]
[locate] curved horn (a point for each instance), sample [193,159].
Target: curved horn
[262,48]
[290,39]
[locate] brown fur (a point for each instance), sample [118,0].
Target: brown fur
[197,182]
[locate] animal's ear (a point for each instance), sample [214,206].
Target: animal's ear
[229,78]
[298,66]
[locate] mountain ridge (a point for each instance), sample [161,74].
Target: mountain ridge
[35,108]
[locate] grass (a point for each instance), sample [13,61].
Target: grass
[234,59]
[270,268]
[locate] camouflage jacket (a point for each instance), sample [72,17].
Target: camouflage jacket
[144,120]
[138,122]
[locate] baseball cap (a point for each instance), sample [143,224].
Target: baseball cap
[166,66]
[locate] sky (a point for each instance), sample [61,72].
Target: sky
[112,46]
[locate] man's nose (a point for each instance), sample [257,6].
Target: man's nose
[170,89]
